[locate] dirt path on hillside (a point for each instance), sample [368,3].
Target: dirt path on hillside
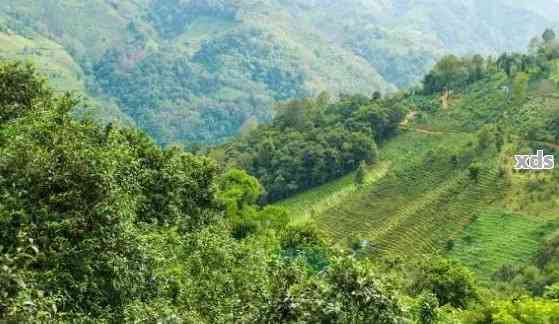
[411,116]
[424,130]
[553,145]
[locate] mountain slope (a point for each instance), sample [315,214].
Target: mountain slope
[451,186]
[196,71]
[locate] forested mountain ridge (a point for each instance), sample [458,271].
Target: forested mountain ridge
[196,71]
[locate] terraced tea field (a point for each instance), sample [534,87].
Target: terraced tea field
[422,203]
[422,199]
[303,206]
[499,237]
[317,200]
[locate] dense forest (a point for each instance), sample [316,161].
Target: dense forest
[196,71]
[311,142]
[101,224]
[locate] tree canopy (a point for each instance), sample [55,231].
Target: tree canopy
[311,142]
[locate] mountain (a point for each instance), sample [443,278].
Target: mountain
[199,70]
[445,183]
[437,225]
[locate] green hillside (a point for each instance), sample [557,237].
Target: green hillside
[63,72]
[53,60]
[197,71]
[390,209]
[446,184]
[498,238]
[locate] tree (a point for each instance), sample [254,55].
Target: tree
[450,282]
[238,190]
[350,292]
[552,292]
[549,35]
[476,68]
[499,138]
[361,174]
[323,99]
[555,73]
[22,90]
[519,88]
[454,73]
[72,193]
[526,310]
[447,73]
[329,140]
[474,171]
[534,45]
[505,62]
[75,202]
[486,137]
[292,114]
[427,305]
[554,126]
[248,126]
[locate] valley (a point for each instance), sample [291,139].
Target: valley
[226,161]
